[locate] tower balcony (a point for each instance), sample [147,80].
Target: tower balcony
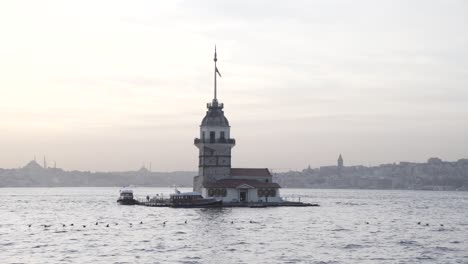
[214,104]
[215,141]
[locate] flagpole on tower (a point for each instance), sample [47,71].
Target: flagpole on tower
[215,70]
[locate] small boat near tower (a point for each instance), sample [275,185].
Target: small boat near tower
[126,197]
[192,200]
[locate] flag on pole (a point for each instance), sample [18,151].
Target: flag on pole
[218,72]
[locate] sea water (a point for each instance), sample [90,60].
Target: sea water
[350,226]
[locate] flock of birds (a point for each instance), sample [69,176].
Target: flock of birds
[419,223]
[97,223]
[164,224]
[116,224]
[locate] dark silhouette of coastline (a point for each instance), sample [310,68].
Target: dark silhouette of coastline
[35,175]
[434,174]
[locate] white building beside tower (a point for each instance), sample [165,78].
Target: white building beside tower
[216,178]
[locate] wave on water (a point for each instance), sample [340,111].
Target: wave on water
[351,204]
[40,246]
[445,249]
[424,257]
[240,243]
[143,250]
[409,243]
[339,229]
[353,246]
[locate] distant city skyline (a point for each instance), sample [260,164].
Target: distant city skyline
[105,86]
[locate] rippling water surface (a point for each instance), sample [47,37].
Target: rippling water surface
[351,226]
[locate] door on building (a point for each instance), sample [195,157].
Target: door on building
[243,195]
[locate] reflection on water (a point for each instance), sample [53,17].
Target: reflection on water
[78,225]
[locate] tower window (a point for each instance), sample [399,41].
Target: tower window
[222,135]
[203,135]
[212,136]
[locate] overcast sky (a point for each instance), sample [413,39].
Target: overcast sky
[108,85]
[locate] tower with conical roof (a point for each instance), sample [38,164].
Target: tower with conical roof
[215,142]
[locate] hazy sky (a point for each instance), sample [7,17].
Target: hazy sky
[108,85]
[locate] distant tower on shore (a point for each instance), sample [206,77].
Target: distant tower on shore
[340,165]
[45,163]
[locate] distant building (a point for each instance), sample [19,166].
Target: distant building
[215,177]
[434,161]
[33,166]
[340,161]
[340,165]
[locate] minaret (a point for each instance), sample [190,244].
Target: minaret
[215,143]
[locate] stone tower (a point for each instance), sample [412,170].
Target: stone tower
[215,144]
[340,161]
[340,165]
